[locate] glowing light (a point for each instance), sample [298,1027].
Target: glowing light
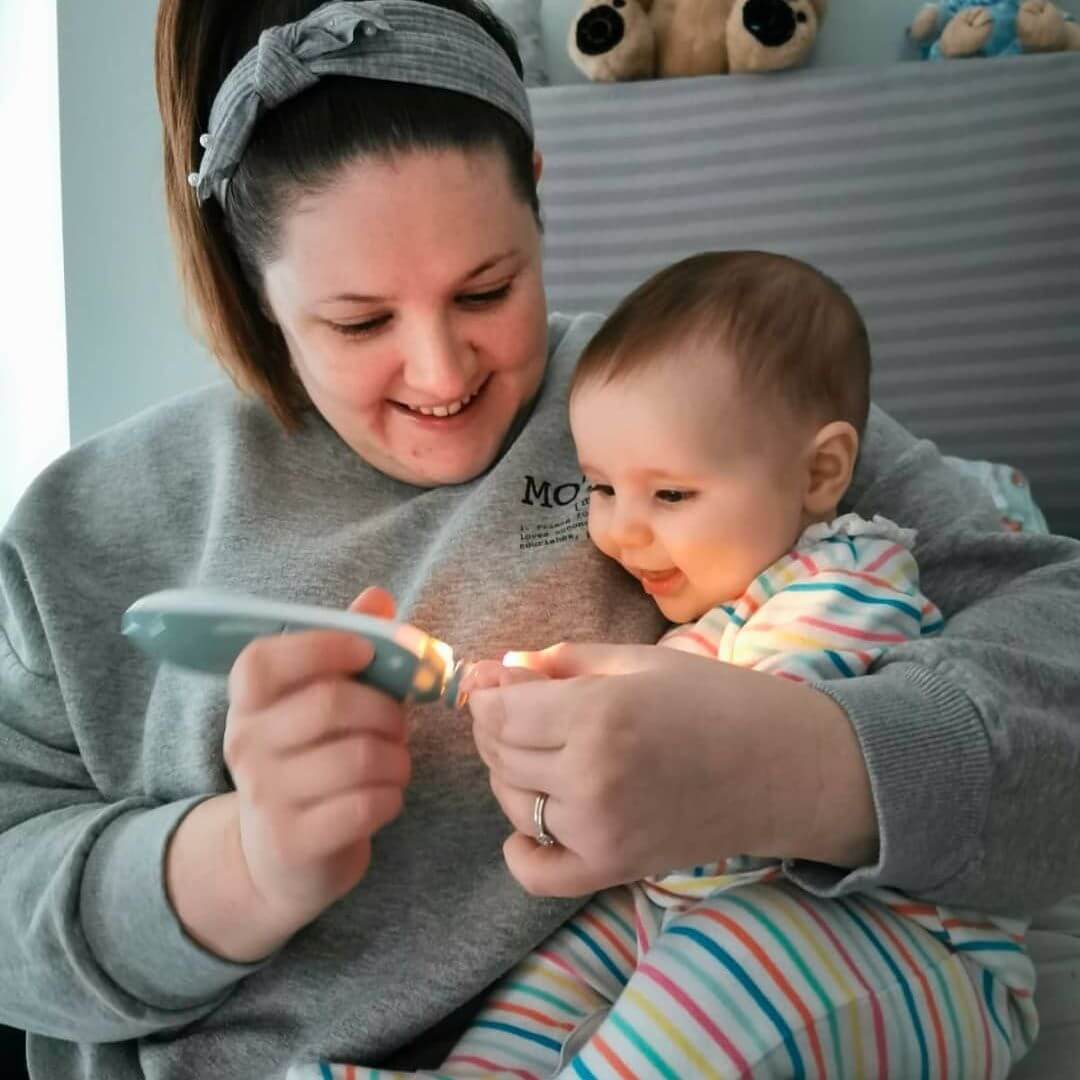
[443,651]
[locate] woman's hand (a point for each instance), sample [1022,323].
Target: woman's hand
[320,763]
[654,759]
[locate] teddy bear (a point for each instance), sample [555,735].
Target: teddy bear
[618,40]
[951,29]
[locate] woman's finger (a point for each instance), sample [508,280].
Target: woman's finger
[527,770]
[327,711]
[543,870]
[531,715]
[549,871]
[519,806]
[374,601]
[271,667]
[487,674]
[342,765]
[568,660]
[334,824]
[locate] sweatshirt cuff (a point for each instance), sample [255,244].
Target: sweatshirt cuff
[928,758]
[130,925]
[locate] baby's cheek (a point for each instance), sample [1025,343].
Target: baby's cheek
[596,530]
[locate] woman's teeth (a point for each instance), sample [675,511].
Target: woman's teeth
[442,410]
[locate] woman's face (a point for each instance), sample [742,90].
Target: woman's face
[411,297]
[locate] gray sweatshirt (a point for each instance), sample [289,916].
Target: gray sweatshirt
[972,739]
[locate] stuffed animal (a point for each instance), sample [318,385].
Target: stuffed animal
[618,40]
[952,29]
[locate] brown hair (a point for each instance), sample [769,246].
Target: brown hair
[296,148]
[793,331]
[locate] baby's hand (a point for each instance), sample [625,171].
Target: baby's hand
[488,674]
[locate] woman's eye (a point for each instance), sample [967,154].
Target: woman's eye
[601,489]
[370,326]
[492,296]
[361,328]
[670,496]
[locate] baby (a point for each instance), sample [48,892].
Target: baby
[717,415]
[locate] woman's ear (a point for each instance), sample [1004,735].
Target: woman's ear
[831,461]
[538,166]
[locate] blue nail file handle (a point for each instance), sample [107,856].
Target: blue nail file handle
[207,630]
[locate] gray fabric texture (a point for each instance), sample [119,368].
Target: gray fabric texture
[395,40]
[971,738]
[944,197]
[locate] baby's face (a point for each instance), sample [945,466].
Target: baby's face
[694,491]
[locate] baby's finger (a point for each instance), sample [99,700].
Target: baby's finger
[487,674]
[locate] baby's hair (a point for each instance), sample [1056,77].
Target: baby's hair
[793,332]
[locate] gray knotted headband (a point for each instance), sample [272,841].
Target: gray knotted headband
[395,40]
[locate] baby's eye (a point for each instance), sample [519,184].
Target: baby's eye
[601,489]
[671,496]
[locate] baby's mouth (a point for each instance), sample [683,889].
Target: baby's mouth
[659,582]
[652,575]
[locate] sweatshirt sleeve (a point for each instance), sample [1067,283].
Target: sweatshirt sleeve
[972,737]
[90,949]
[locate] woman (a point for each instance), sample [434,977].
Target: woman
[208,880]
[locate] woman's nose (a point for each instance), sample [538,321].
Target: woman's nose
[438,363]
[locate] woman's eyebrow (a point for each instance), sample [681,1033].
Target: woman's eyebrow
[486,265]
[489,264]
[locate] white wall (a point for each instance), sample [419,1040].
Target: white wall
[33,384]
[128,344]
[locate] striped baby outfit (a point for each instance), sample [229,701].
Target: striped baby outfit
[826,610]
[731,971]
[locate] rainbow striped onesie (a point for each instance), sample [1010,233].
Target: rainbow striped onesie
[730,970]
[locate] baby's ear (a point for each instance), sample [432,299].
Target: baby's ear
[820,7]
[830,463]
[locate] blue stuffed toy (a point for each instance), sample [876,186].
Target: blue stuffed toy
[952,29]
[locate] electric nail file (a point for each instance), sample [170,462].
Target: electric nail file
[207,629]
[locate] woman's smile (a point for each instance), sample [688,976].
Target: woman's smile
[441,412]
